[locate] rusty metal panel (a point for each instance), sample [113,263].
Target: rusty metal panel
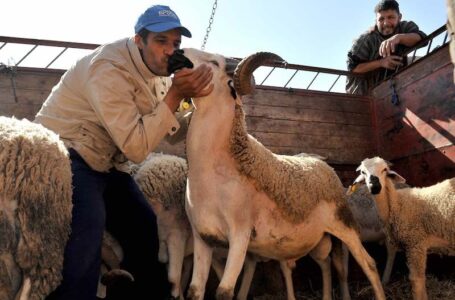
[419,133]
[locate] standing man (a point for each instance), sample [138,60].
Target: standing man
[117,104]
[381,48]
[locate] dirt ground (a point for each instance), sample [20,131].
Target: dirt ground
[268,283]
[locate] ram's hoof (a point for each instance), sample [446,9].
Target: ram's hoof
[193,293]
[224,294]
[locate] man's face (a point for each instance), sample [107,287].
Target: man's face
[158,49]
[387,21]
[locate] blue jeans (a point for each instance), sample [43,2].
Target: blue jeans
[112,201]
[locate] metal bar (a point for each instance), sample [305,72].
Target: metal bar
[423,42]
[311,69]
[429,46]
[414,55]
[291,78]
[445,37]
[312,81]
[267,76]
[31,50]
[61,52]
[4,44]
[16,40]
[334,83]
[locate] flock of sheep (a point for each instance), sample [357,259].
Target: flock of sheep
[232,204]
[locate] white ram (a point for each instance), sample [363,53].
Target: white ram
[162,179]
[245,198]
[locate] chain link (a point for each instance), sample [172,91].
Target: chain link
[209,28]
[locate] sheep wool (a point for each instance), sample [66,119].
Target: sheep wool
[162,178]
[286,179]
[433,208]
[35,207]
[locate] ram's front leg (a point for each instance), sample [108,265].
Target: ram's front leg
[238,245]
[202,259]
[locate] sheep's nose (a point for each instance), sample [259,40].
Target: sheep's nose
[375,185]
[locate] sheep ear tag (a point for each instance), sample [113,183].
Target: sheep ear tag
[352,188]
[178,61]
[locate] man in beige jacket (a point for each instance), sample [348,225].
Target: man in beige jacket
[117,104]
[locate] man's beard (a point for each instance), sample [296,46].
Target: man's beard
[391,29]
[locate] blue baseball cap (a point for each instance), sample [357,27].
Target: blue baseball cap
[160,18]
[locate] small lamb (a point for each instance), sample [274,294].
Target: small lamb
[417,220]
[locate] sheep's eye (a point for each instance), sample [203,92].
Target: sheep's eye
[362,172]
[215,63]
[385,170]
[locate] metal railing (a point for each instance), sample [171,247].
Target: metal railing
[310,77]
[425,46]
[267,80]
[36,44]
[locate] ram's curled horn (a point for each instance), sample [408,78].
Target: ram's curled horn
[245,69]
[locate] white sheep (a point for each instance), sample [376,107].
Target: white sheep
[162,179]
[417,220]
[35,209]
[245,198]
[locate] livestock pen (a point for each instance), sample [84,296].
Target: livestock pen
[291,113]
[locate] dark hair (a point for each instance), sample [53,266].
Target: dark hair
[387,5]
[143,33]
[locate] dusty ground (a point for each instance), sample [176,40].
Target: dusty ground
[399,289]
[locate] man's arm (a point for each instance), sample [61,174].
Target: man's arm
[388,46]
[389,62]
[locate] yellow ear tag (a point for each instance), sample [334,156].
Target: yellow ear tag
[352,189]
[185,105]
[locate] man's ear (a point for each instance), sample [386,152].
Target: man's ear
[138,41]
[399,17]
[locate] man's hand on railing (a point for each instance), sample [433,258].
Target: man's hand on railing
[391,62]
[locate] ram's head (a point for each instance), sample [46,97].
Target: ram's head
[231,77]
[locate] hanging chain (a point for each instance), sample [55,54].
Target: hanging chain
[209,28]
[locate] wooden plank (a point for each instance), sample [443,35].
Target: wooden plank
[307,115]
[318,102]
[31,80]
[339,156]
[316,128]
[24,96]
[316,141]
[19,110]
[436,90]
[427,168]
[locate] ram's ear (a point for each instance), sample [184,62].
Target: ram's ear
[395,177]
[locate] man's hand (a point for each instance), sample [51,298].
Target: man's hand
[188,83]
[391,62]
[388,46]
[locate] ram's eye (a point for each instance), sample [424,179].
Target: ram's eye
[215,63]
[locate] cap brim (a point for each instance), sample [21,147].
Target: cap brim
[161,27]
